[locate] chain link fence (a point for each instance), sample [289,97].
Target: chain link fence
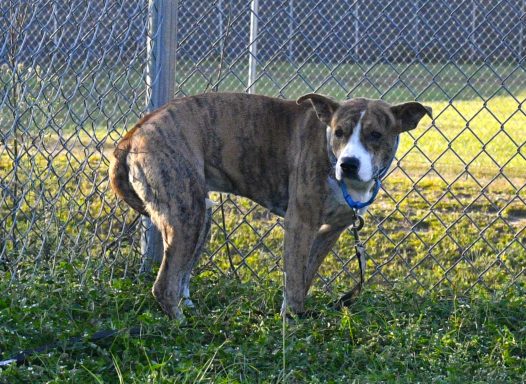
[73,79]
[452,212]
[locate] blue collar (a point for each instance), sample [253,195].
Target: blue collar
[377,181]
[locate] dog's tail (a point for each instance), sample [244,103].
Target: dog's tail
[119,172]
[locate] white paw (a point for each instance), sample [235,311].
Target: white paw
[210,203]
[188,303]
[283,311]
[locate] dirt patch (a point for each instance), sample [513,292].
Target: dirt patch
[516,216]
[422,226]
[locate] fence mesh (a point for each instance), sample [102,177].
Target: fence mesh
[452,212]
[72,76]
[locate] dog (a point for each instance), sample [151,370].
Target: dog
[288,156]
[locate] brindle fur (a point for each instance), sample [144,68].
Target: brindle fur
[270,150]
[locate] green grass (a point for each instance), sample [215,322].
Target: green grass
[484,138]
[394,82]
[481,136]
[236,335]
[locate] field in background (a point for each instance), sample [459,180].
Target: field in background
[456,191]
[450,222]
[394,82]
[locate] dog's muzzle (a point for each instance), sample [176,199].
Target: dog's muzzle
[350,167]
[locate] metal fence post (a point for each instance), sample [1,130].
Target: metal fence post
[521,30]
[252,46]
[472,36]
[356,25]
[162,46]
[220,21]
[291,31]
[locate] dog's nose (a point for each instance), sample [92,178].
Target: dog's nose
[350,166]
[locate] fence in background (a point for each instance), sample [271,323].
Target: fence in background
[453,210]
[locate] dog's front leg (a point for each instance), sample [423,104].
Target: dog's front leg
[324,241]
[299,237]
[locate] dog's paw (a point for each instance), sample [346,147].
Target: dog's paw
[188,303]
[169,305]
[210,203]
[175,313]
[289,311]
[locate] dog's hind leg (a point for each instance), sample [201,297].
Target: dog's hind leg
[174,195]
[176,267]
[203,237]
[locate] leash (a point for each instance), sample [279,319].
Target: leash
[359,249]
[22,357]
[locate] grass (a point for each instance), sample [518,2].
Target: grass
[235,335]
[445,239]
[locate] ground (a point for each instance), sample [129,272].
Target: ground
[237,336]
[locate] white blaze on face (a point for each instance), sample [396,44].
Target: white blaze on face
[355,148]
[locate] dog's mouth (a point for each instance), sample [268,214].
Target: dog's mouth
[357,184]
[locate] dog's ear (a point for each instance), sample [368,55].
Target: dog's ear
[323,105]
[407,115]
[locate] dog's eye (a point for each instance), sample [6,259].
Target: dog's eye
[338,132]
[376,135]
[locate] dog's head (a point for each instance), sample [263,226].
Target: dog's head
[362,133]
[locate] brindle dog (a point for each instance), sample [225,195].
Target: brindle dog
[275,152]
